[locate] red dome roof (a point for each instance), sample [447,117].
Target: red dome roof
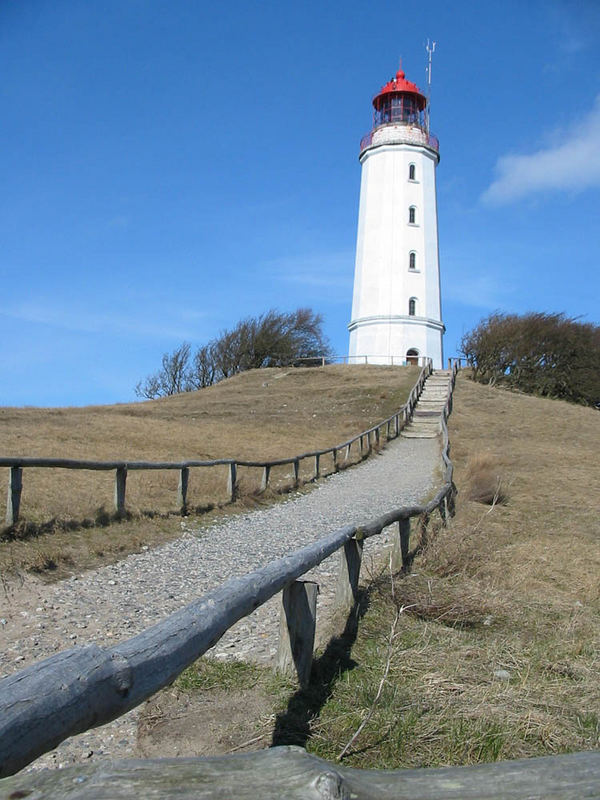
[397,85]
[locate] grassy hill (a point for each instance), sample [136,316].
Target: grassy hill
[260,414]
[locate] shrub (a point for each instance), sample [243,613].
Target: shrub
[545,354]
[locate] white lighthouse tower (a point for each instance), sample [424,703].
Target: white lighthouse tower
[396,308]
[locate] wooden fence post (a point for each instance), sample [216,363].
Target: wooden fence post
[451,500]
[232,481]
[347,456]
[443,511]
[265,477]
[120,484]
[401,545]
[347,584]
[184,476]
[13,500]
[297,629]
[296,472]
[397,424]
[335,460]
[377,437]
[317,466]
[362,445]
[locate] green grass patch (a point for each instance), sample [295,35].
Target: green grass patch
[208,673]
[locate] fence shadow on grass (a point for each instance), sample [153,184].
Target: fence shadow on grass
[292,726]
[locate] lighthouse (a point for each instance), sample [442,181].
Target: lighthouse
[396,306]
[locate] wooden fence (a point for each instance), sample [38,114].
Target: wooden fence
[81,688]
[388,428]
[89,686]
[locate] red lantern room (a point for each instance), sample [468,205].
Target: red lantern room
[399,101]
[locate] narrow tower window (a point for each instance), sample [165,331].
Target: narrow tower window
[412,215]
[411,172]
[412,307]
[412,260]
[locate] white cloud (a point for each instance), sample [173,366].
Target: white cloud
[571,162]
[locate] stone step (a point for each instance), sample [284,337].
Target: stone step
[420,434]
[426,421]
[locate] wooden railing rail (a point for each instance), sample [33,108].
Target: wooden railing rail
[392,425]
[74,690]
[292,773]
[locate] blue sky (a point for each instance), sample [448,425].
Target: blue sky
[171,166]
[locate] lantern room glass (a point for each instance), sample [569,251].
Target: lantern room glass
[399,108]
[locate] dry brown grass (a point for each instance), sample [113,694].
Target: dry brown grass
[261,414]
[497,656]
[484,482]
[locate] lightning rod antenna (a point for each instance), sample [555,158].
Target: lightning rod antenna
[430,47]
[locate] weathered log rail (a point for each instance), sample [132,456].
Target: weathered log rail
[292,773]
[84,687]
[388,428]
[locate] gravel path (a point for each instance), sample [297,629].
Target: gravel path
[119,600]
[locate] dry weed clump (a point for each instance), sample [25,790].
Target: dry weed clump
[485,482]
[455,603]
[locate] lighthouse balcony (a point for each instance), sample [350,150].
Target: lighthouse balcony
[395,133]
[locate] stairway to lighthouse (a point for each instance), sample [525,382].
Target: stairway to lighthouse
[426,420]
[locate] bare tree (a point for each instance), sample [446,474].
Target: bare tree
[172,376]
[270,340]
[203,370]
